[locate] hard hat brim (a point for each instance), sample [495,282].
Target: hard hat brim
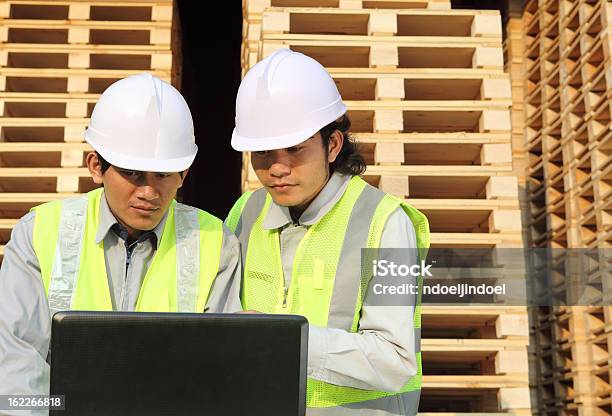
[178,164]
[249,144]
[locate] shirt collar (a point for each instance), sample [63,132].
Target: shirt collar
[279,216]
[107,220]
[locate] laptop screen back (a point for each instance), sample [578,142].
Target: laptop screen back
[122,363]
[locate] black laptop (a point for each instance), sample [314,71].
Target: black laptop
[125,363]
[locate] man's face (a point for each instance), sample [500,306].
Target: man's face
[138,200]
[295,175]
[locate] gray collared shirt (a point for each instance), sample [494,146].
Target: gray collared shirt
[25,322]
[381,355]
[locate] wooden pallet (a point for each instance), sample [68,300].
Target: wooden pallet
[567,117]
[422,84]
[254,9]
[32,55]
[96,10]
[391,51]
[479,365]
[85,32]
[52,80]
[379,22]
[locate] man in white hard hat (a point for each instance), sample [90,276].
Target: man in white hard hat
[302,234]
[127,246]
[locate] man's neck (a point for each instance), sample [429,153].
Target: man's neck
[297,211]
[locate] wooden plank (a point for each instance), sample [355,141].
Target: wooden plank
[424,170]
[381,22]
[49,24]
[475,382]
[391,53]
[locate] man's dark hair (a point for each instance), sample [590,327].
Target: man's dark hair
[103,163]
[349,161]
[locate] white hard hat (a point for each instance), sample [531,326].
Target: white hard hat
[283,101]
[143,123]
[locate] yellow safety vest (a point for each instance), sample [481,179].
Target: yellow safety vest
[323,261]
[73,267]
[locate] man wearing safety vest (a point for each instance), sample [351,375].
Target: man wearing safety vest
[127,246]
[301,237]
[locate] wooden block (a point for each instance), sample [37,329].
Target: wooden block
[254,32]
[3,58]
[350,4]
[384,56]
[161,61]
[161,13]
[487,25]
[256,7]
[488,58]
[67,183]
[394,185]
[2,109]
[73,158]
[598,159]
[382,23]
[76,109]
[500,221]
[495,88]
[252,59]
[388,121]
[508,362]
[77,83]
[387,154]
[73,133]
[269,48]
[514,398]
[78,35]
[2,83]
[495,121]
[160,36]
[275,22]
[78,60]
[3,34]
[508,325]
[494,154]
[5,10]
[78,12]
[390,89]
[440,5]
[502,187]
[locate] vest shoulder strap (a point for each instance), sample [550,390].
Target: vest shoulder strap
[234,215]
[64,223]
[196,232]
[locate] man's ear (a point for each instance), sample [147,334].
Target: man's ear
[336,141]
[95,167]
[183,175]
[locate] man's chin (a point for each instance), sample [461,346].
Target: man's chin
[144,224]
[284,200]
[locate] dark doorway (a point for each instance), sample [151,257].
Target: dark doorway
[506,7]
[211,37]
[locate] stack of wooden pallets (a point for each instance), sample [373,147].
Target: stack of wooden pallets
[429,104]
[567,83]
[56,57]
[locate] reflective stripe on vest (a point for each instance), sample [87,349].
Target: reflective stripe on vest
[315,292]
[73,266]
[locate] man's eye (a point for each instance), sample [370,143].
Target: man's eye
[163,175]
[262,152]
[130,173]
[294,149]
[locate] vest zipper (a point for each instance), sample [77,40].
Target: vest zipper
[285,293]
